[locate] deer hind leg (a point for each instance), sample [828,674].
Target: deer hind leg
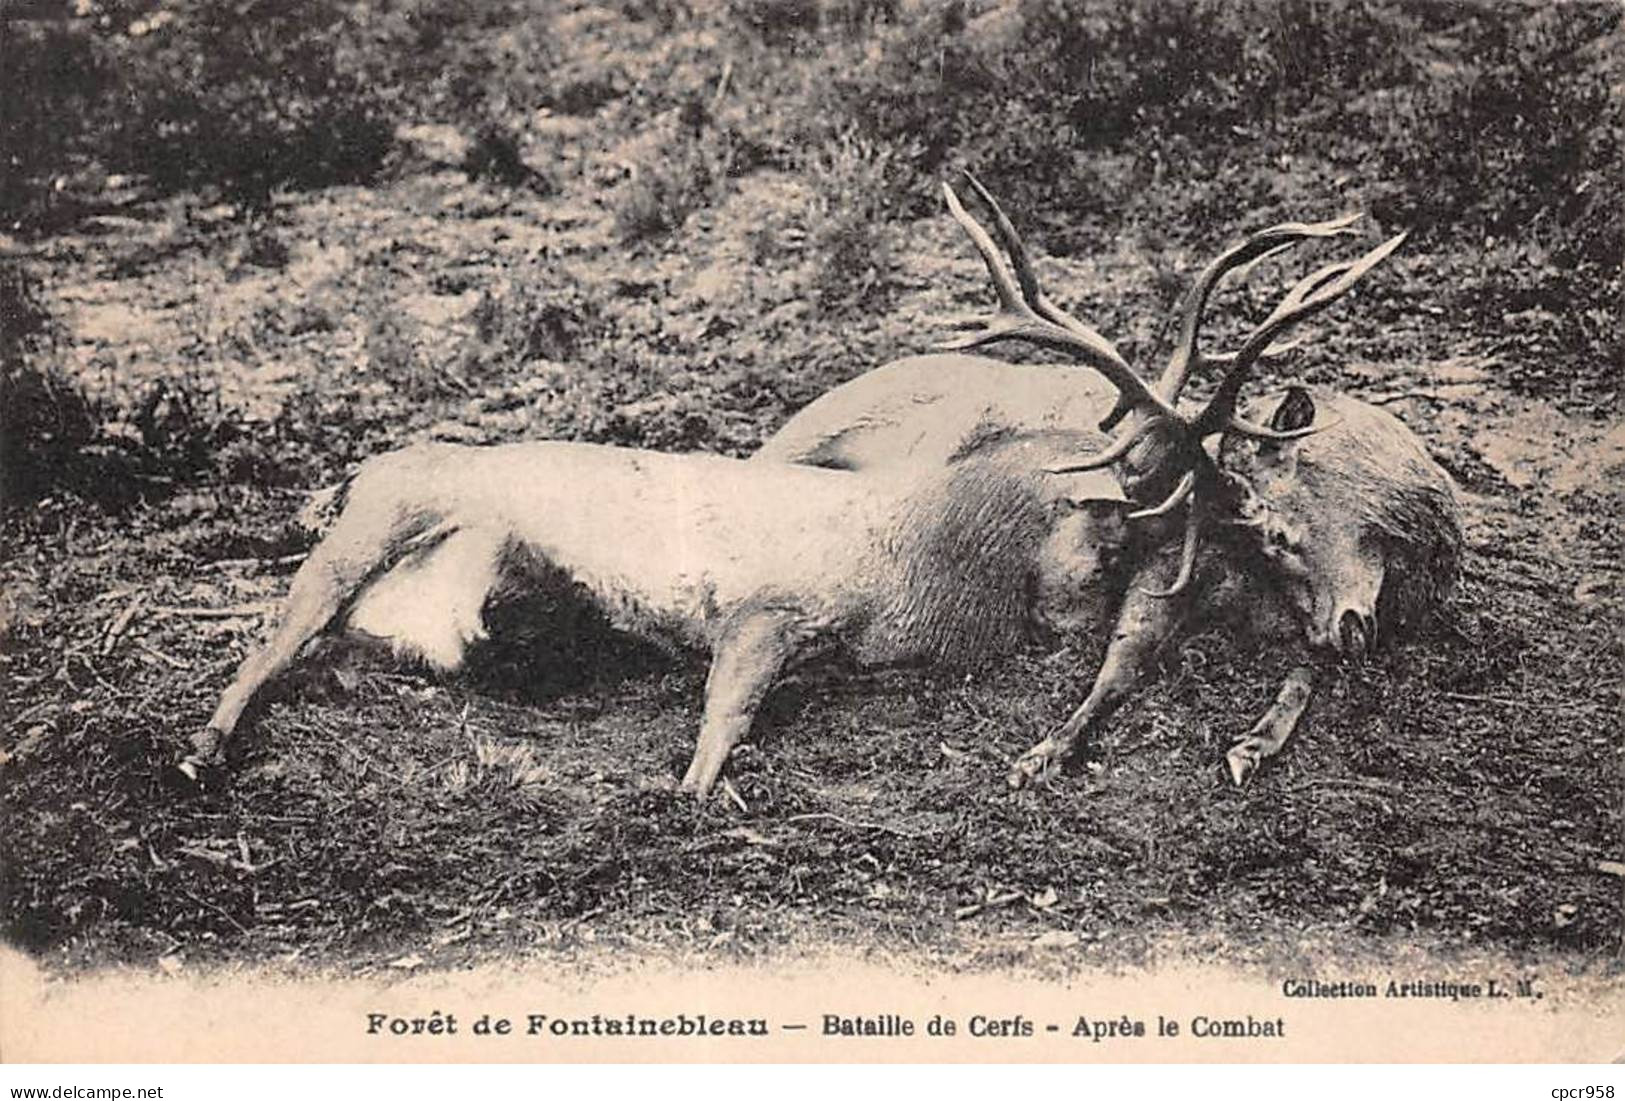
[317,594]
[744,664]
[1144,625]
[340,566]
[1270,733]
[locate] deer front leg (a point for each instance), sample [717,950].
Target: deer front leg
[743,665]
[1274,727]
[1144,625]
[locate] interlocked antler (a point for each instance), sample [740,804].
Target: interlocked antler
[1187,357]
[1013,244]
[1308,297]
[1026,314]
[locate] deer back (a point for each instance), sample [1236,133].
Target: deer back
[922,411]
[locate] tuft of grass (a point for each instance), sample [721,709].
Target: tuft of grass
[666,187]
[851,236]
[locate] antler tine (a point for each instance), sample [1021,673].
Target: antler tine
[1187,561]
[1011,300]
[1041,303]
[1012,242]
[1333,281]
[1183,490]
[1275,351]
[1114,451]
[1308,297]
[1186,357]
[1243,427]
[1018,320]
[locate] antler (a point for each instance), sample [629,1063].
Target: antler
[1027,314]
[1187,557]
[1041,303]
[1187,357]
[1311,295]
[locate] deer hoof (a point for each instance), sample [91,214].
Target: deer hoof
[191,774]
[691,789]
[1035,767]
[1243,760]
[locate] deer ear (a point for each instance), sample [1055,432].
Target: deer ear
[1096,508]
[1096,490]
[1104,506]
[1297,410]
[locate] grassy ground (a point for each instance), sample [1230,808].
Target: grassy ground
[1463,794]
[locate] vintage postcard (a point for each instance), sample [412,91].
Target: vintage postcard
[811,531]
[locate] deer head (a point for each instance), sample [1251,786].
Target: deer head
[1159,451]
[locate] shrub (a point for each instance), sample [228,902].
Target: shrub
[1514,130]
[54,83]
[245,95]
[56,438]
[852,238]
[45,424]
[251,95]
[53,438]
[666,187]
[777,21]
[537,317]
[45,420]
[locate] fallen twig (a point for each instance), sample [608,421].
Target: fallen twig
[91,669]
[205,902]
[989,903]
[722,83]
[173,663]
[225,860]
[237,611]
[119,625]
[1345,782]
[571,923]
[1465,697]
[29,712]
[749,836]
[233,563]
[733,793]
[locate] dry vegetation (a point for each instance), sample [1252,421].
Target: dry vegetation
[249,244]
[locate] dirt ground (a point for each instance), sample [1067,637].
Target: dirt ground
[1462,793]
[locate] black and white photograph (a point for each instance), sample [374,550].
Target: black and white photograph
[812,530]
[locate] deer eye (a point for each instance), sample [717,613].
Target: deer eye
[1279,540]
